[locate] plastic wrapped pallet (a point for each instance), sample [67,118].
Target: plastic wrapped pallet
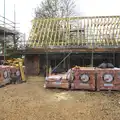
[4,75]
[84,78]
[57,81]
[108,79]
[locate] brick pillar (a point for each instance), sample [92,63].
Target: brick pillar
[26,62]
[36,65]
[32,64]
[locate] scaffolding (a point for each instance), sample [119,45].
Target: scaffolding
[7,28]
[9,34]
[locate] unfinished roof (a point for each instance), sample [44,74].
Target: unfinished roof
[76,32]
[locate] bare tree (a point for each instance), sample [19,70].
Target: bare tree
[55,8]
[68,7]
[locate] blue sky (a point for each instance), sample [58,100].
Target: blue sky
[25,10]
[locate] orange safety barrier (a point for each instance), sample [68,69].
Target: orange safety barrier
[108,79]
[84,78]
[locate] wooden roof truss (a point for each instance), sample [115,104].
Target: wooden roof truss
[77,32]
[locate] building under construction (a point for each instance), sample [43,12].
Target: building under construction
[66,42]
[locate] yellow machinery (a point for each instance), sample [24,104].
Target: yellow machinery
[18,63]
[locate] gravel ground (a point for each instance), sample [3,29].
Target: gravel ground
[30,101]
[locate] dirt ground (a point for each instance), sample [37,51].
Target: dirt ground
[30,101]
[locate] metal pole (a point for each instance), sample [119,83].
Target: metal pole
[114,58]
[14,27]
[24,40]
[93,42]
[61,61]
[14,18]
[4,35]
[47,61]
[92,58]
[55,60]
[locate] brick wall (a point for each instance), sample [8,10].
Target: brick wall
[32,64]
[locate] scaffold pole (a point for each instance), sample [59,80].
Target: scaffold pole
[4,34]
